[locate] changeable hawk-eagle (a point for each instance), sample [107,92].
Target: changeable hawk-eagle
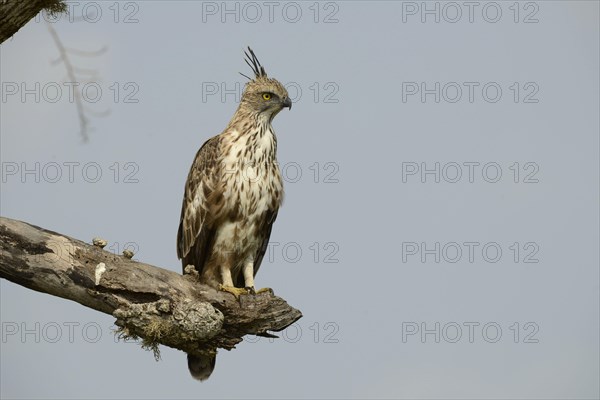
[232,194]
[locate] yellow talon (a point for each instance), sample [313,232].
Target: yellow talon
[251,290]
[237,292]
[265,289]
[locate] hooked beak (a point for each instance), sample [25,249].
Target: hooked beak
[287,103]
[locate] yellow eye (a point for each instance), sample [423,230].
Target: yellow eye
[267,96]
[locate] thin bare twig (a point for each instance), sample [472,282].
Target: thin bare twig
[83,121]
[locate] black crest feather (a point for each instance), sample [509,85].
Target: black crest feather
[254,64]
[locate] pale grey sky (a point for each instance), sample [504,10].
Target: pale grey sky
[440,227]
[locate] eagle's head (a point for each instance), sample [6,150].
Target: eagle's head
[262,95]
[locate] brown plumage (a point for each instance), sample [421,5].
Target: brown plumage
[232,196]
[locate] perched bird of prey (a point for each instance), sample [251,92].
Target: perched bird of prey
[232,194]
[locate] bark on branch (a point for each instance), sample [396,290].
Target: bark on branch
[14,14]
[158,305]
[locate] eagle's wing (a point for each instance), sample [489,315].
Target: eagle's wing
[196,233]
[265,240]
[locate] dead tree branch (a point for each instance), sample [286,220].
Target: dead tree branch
[158,305]
[14,14]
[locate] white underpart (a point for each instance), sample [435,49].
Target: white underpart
[255,179]
[100,269]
